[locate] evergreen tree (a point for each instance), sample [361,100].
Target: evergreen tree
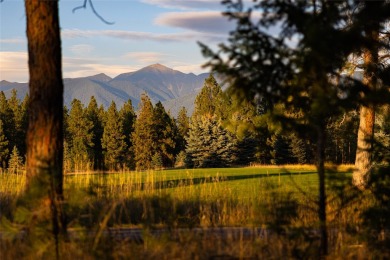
[102,115]
[183,126]
[6,115]
[128,117]
[299,150]
[23,123]
[209,144]
[20,120]
[164,135]
[342,138]
[113,140]
[143,135]
[80,137]
[92,113]
[15,163]
[211,100]
[246,124]
[4,151]
[258,63]
[281,150]
[67,140]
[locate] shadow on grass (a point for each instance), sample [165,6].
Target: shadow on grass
[168,184]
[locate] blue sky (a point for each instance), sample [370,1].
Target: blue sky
[144,32]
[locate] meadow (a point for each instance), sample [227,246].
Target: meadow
[280,200]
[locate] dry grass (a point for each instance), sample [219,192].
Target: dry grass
[280,199]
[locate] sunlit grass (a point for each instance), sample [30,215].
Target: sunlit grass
[267,197]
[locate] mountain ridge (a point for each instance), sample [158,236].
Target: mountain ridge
[160,82]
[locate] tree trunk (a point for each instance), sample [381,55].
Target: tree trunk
[320,164]
[363,161]
[45,129]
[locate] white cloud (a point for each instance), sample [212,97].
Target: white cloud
[145,57]
[13,41]
[188,68]
[14,66]
[81,49]
[80,67]
[186,4]
[193,4]
[205,22]
[141,36]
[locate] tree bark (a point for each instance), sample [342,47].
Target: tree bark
[363,161]
[320,164]
[45,129]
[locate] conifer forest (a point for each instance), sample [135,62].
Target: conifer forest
[285,154]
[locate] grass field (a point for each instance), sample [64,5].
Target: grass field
[280,198]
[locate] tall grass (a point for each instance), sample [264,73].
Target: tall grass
[282,199]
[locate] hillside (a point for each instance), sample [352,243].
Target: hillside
[174,88]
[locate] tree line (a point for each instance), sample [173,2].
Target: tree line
[222,131]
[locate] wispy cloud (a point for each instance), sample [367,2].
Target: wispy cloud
[146,58]
[140,36]
[186,4]
[192,4]
[14,66]
[187,67]
[13,41]
[81,49]
[83,67]
[205,22]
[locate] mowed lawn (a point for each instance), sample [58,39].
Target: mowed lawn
[194,197]
[243,182]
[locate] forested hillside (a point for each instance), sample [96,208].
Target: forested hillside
[220,132]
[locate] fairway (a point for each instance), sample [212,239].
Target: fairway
[265,197]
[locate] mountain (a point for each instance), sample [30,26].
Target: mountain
[158,81]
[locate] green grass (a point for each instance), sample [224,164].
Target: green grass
[284,198]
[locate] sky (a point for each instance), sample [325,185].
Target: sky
[143,32]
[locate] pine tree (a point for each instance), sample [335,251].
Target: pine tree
[93,114]
[183,126]
[20,120]
[143,139]
[23,125]
[113,140]
[164,135]
[128,117]
[342,138]
[209,144]
[281,150]
[211,100]
[300,151]
[7,117]
[80,136]
[15,163]
[246,124]
[4,151]
[67,140]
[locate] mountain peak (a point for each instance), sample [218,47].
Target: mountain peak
[159,66]
[100,77]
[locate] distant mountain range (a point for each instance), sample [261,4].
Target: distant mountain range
[173,88]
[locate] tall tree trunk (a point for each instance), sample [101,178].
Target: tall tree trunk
[320,164]
[45,130]
[363,161]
